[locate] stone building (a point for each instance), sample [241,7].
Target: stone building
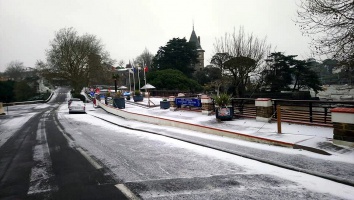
[199,66]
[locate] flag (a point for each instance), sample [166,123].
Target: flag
[146,69]
[133,67]
[130,68]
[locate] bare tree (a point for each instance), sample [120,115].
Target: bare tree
[240,44]
[121,63]
[77,59]
[15,70]
[145,58]
[239,48]
[331,25]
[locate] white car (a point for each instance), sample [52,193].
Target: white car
[77,107]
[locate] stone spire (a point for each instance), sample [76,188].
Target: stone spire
[195,39]
[200,65]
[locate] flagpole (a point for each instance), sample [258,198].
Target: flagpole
[130,84]
[139,77]
[144,74]
[133,68]
[134,75]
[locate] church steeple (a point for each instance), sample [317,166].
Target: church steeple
[200,51]
[195,39]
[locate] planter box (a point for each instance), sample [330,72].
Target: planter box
[138,98]
[119,103]
[164,104]
[224,113]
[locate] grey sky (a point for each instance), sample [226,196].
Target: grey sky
[127,27]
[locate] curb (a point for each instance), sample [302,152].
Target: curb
[270,162]
[205,129]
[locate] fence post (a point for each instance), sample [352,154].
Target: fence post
[279,118]
[310,104]
[2,112]
[172,103]
[207,107]
[264,109]
[275,108]
[343,126]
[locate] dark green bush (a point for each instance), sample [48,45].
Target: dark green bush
[80,96]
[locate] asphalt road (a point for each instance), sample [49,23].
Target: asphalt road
[37,162]
[54,155]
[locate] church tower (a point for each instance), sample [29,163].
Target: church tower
[199,66]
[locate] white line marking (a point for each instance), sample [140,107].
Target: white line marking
[88,158]
[70,141]
[72,144]
[129,194]
[41,173]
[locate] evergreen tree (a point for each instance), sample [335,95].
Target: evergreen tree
[171,79]
[208,74]
[286,70]
[239,69]
[277,76]
[177,54]
[304,77]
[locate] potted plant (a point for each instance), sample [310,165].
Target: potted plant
[107,98]
[223,109]
[127,96]
[118,100]
[137,96]
[164,104]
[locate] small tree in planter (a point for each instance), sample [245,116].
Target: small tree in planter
[108,96]
[137,96]
[223,110]
[164,104]
[118,100]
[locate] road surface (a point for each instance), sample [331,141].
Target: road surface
[46,153]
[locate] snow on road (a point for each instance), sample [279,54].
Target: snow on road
[142,157]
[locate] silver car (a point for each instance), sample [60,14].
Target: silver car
[72,99]
[77,107]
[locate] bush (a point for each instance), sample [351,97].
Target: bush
[137,93]
[80,96]
[118,94]
[222,100]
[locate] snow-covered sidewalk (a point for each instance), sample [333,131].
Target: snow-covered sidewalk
[315,137]
[337,166]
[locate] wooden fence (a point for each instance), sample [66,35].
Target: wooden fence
[314,112]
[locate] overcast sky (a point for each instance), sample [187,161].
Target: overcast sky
[127,27]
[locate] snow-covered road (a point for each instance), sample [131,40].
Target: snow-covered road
[158,167]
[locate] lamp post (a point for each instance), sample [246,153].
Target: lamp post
[115,77]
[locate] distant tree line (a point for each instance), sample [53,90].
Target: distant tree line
[22,84]
[242,64]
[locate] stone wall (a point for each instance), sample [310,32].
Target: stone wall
[343,126]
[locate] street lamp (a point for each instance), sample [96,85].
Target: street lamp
[115,77]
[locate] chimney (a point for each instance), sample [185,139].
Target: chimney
[199,39]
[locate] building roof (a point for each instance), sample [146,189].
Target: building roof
[194,39]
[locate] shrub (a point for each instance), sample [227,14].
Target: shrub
[222,100]
[80,96]
[137,93]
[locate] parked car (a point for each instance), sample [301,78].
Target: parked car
[77,107]
[72,99]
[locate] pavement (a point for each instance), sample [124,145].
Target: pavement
[310,138]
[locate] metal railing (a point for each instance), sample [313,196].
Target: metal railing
[295,111]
